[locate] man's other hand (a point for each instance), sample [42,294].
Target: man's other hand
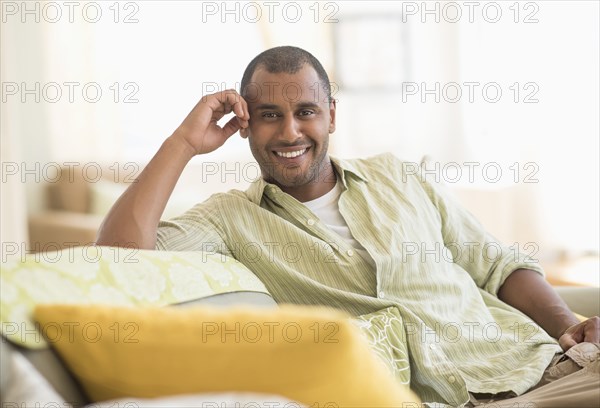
[586,331]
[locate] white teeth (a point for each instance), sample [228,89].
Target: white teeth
[290,155]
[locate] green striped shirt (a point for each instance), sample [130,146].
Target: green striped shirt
[433,262]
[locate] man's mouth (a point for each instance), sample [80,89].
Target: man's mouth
[291,154]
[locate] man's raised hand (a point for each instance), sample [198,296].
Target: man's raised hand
[200,130]
[133,219]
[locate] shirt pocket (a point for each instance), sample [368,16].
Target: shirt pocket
[576,358]
[584,354]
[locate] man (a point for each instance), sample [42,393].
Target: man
[319,230]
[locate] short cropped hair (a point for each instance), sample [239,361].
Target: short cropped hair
[286,59]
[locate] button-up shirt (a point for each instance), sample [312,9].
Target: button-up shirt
[434,262]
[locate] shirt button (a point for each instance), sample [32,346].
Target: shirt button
[432,346]
[381,295]
[310,221]
[451,379]
[350,252]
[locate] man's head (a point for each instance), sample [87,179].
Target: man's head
[291,117]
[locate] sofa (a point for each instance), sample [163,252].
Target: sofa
[64,283]
[34,378]
[177,302]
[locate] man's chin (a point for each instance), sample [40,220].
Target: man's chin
[291,176]
[291,182]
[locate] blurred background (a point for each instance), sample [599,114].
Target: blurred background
[500,98]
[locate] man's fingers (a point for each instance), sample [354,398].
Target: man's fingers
[588,331]
[566,341]
[232,126]
[238,109]
[243,123]
[230,98]
[591,330]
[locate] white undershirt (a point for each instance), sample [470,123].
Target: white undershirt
[327,209]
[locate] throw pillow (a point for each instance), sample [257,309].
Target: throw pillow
[307,354]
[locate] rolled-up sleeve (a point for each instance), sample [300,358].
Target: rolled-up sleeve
[198,229]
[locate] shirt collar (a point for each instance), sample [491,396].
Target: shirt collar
[344,168]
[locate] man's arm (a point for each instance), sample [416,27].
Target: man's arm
[509,275]
[133,219]
[529,292]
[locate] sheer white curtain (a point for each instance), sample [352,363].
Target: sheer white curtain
[552,63]
[13,202]
[13,214]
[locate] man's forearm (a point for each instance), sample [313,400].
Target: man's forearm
[134,218]
[529,292]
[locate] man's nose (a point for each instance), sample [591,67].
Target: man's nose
[290,130]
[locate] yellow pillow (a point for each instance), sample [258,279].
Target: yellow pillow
[311,355]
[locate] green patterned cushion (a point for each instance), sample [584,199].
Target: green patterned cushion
[113,276]
[386,335]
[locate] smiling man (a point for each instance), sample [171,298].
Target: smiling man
[290,127]
[366,235]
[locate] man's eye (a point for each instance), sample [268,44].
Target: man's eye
[306,112]
[269,115]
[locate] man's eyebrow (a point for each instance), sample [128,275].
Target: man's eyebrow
[266,106]
[307,104]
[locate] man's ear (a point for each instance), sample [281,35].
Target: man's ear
[332,107]
[244,132]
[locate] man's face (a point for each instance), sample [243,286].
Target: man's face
[290,123]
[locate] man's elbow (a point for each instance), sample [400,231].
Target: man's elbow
[125,239]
